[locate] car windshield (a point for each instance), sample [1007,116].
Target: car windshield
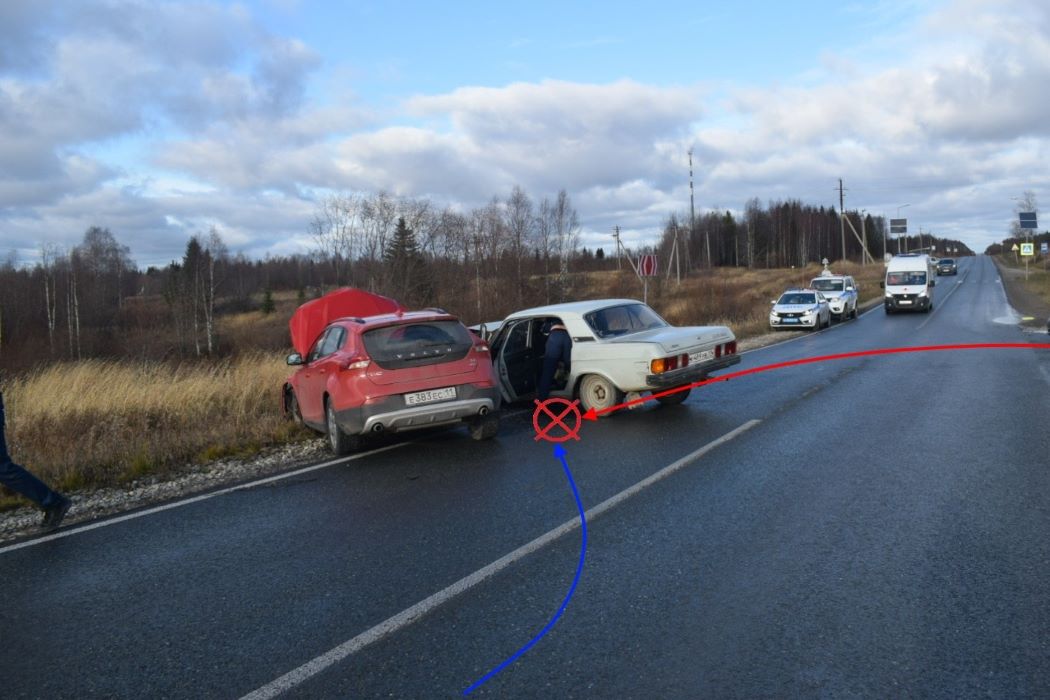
[827,285]
[906,277]
[418,344]
[621,320]
[796,298]
[947,261]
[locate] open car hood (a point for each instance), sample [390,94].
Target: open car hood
[312,317]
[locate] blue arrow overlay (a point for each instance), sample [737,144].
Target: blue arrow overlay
[559,452]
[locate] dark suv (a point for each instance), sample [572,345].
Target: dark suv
[946,266]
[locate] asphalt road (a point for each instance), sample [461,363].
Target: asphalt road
[879,527]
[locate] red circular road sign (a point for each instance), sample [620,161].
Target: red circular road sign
[647,265]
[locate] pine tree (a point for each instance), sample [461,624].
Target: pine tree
[268,307]
[408,274]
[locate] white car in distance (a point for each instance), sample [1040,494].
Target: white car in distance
[841,293]
[620,348]
[800,308]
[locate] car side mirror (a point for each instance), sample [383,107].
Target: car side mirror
[773,301]
[295,359]
[882,285]
[933,283]
[849,289]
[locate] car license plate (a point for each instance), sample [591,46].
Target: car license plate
[431,396]
[702,356]
[789,320]
[904,301]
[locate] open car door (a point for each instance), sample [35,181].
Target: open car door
[516,359]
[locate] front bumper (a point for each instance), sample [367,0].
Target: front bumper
[799,323]
[390,413]
[690,374]
[918,303]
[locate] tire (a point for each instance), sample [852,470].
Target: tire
[294,413]
[597,392]
[888,311]
[675,398]
[341,443]
[484,427]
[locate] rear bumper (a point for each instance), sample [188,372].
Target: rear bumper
[390,413]
[690,374]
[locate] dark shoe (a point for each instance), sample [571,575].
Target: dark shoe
[53,516]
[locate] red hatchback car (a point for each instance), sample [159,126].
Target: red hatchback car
[387,371]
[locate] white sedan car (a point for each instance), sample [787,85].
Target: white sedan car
[800,308]
[620,347]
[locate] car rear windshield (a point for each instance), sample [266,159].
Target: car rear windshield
[827,285]
[798,299]
[418,344]
[621,320]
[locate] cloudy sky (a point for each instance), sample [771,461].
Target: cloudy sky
[158,120]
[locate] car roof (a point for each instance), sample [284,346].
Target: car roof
[572,307]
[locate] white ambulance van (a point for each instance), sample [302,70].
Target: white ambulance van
[909,283]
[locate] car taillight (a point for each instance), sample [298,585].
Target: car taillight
[355,363]
[667,364]
[731,347]
[718,351]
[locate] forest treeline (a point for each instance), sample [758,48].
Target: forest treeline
[514,252]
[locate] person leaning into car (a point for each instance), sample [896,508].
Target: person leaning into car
[19,479]
[557,350]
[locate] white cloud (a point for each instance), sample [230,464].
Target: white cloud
[955,125]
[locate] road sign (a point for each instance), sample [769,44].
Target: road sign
[898,226]
[1027,219]
[1028,249]
[1014,248]
[1044,247]
[647,265]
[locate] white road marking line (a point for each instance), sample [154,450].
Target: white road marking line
[194,499]
[409,615]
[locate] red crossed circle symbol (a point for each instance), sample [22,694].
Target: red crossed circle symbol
[557,420]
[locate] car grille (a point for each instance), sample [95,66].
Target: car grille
[790,315]
[906,297]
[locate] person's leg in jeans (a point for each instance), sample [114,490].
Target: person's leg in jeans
[20,480]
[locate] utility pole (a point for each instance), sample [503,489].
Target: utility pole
[692,220]
[842,223]
[616,235]
[864,235]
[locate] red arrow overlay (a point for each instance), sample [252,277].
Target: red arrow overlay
[593,414]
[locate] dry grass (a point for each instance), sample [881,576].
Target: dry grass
[95,423]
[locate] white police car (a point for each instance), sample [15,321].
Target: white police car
[800,308]
[841,293]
